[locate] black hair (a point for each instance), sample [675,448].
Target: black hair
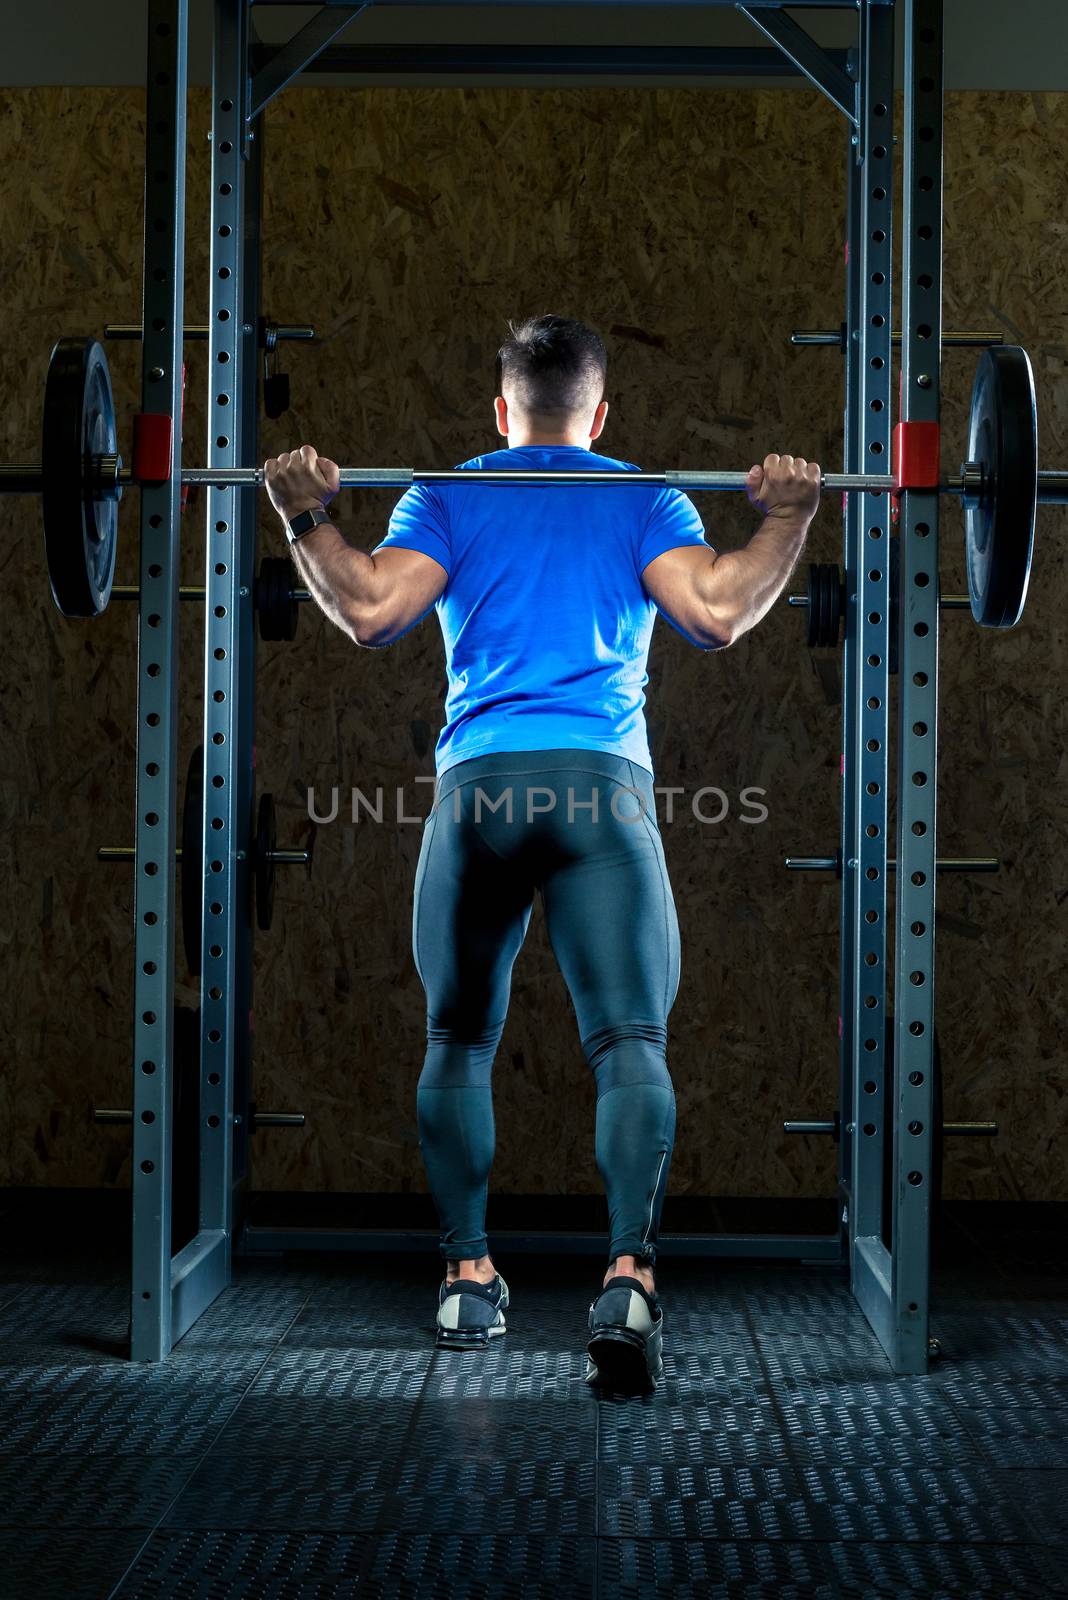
[555,365]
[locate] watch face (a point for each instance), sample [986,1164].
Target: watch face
[302,523]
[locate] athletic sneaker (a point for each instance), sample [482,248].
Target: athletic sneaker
[626,1338]
[471,1314]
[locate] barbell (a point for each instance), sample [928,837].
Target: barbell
[81,478]
[276,597]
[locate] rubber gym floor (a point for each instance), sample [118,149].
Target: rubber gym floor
[306,1439]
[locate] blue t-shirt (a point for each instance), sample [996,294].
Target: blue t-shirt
[545,620]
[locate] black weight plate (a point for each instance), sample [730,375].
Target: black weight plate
[185,1128]
[825,599]
[193,860]
[815,604]
[999,533]
[835,604]
[830,608]
[265,844]
[80,531]
[276,394]
[266,608]
[277,612]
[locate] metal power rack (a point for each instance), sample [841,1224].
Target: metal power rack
[889,1282]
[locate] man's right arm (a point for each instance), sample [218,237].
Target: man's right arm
[715,598]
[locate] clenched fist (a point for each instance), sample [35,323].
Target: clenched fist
[301,480]
[785,486]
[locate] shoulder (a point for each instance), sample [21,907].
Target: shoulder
[494,458]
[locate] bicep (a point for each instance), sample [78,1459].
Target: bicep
[674,581]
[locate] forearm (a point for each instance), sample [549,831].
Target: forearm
[343,581]
[740,586]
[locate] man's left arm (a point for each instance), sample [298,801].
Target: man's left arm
[372,598]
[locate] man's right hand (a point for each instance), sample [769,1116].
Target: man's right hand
[785,486]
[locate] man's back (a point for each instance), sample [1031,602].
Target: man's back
[545,619]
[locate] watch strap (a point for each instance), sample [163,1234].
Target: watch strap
[304,522]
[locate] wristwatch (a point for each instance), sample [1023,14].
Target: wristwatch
[304,522]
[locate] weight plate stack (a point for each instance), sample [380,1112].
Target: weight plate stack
[832,604]
[815,606]
[999,532]
[80,531]
[277,613]
[824,605]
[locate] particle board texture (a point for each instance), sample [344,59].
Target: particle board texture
[696,229]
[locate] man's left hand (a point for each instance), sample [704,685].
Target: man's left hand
[301,480]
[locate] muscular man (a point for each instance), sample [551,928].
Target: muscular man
[546,596]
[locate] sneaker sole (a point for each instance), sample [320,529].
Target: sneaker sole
[469,1338]
[619,1361]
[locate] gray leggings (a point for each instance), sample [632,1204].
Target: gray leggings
[579,825]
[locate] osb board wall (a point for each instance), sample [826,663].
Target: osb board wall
[697,229]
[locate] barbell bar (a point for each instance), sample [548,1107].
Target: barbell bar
[131,591]
[271,333]
[81,478]
[112,854]
[275,597]
[942,864]
[118,1117]
[955,1130]
[264,856]
[964,338]
[111,480]
[946,602]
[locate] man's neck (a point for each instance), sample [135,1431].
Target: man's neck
[547,441]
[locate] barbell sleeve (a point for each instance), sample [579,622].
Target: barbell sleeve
[942,864]
[965,337]
[948,602]
[288,331]
[117,1117]
[1053,488]
[24,479]
[111,854]
[195,331]
[130,591]
[955,1130]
